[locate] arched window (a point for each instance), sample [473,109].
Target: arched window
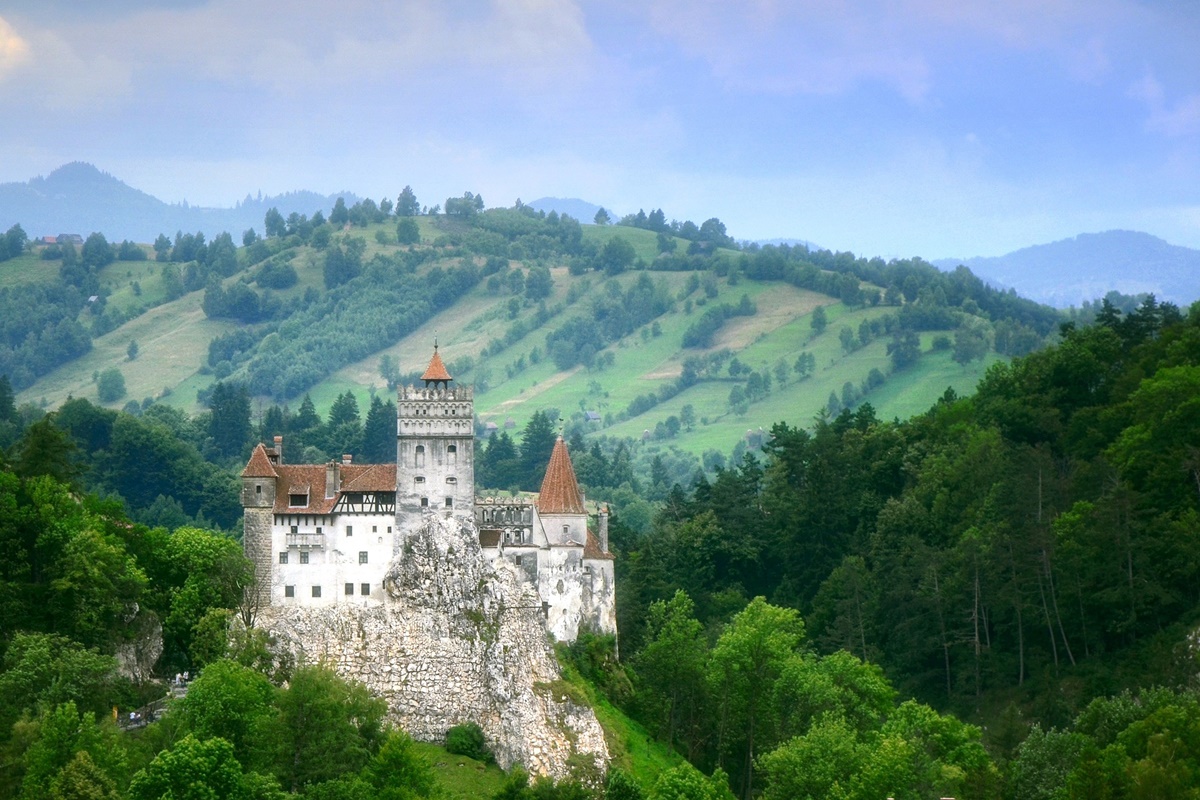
[419,455]
[452,454]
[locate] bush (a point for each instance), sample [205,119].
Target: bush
[467,740]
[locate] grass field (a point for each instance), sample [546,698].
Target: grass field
[173,343]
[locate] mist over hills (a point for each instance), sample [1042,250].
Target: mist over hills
[79,198]
[1088,266]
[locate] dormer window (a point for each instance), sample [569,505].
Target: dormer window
[296,500]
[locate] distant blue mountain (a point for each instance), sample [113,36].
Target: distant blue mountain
[78,198]
[571,206]
[1090,265]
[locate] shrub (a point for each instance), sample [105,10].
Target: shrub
[467,740]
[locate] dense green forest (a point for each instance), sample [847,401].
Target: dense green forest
[991,599]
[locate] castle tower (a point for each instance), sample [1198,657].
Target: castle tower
[435,448]
[560,503]
[258,505]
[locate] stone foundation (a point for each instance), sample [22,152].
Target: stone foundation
[456,640]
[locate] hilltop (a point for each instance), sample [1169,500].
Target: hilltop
[79,198]
[1088,266]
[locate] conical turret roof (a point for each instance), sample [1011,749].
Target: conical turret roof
[560,490]
[436,371]
[259,465]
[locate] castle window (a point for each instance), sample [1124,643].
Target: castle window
[349,588]
[303,556]
[283,558]
[566,528]
[424,502]
[518,560]
[258,488]
[362,556]
[295,529]
[452,454]
[289,591]
[451,480]
[364,588]
[449,502]
[316,591]
[374,529]
[349,530]
[419,479]
[419,455]
[318,529]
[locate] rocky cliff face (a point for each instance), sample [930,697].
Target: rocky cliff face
[456,640]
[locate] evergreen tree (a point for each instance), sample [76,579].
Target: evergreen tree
[379,433]
[537,441]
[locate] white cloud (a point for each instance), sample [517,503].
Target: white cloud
[13,49]
[1182,118]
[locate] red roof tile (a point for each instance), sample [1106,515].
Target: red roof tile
[560,491]
[259,465]
[369,478]
[592,549]
[436,371]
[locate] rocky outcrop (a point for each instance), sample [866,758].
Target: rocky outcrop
[137,656]
[456,640]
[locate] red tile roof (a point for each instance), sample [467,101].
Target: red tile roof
[436,371]
[592,549]
[368,477]
[560,491]
[259,465]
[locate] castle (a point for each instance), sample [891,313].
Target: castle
[324,535]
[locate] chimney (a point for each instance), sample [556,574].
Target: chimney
[332,479]
[346,459]
[604,529]
[276,454]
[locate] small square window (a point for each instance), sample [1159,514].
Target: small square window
[389,528]
[374,529]
[364,588]
[295,529]
[316,591]
[362,556]
[449,502]
[303,556]
[518,560]
[283,558]
[349,588]
[424,502]
[349,530]
[289,591]
[319,529]
[258,488]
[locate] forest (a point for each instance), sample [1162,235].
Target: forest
[995,598]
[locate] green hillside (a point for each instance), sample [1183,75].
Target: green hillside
[497,336]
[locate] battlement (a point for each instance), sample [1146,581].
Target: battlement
[427,393]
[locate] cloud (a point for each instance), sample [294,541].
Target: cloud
[829,46]
[1172,120]
[13,49]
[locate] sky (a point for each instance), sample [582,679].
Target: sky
[938,128]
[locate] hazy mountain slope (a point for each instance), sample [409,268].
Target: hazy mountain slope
[79,198]
[1088,266]
[581,210]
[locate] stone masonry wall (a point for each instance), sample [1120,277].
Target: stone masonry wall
[456,640]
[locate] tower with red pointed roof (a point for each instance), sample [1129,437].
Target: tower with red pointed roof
[435,447]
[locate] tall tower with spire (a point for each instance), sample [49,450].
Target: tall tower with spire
[435,448]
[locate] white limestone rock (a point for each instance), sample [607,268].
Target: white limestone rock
[456,640]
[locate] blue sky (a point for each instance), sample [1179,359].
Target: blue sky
[891,127]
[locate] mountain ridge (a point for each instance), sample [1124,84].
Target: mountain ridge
[1088,266]
[78,197]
